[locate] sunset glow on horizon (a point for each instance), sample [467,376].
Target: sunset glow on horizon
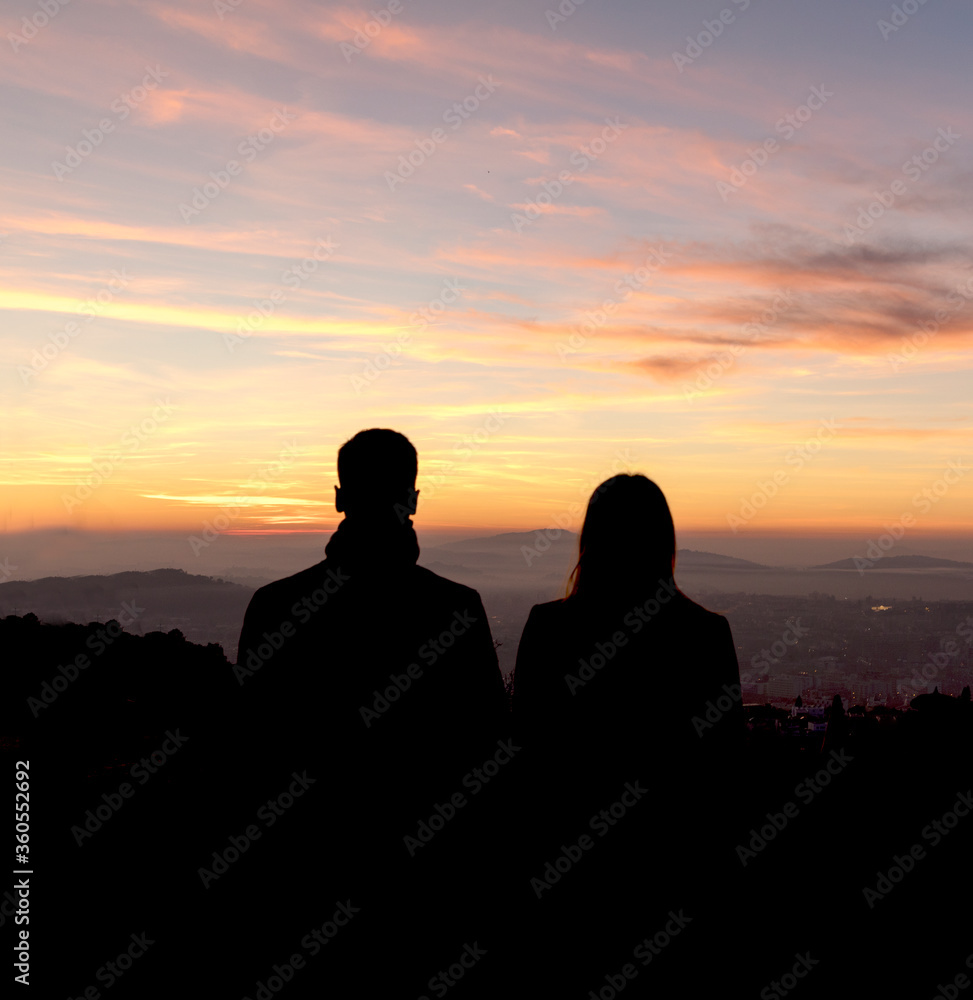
[547,249]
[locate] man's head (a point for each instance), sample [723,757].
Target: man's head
[377,472]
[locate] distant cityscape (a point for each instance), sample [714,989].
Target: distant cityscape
[866,652]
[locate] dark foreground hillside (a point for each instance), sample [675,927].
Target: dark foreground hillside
[149,840]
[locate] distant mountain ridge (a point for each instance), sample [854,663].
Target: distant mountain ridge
[692,557]
[562,538]
[130,578]
[168,586]
[900,562]
[204,608]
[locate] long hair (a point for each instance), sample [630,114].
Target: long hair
[628,540]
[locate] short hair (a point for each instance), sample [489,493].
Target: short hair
[377,465]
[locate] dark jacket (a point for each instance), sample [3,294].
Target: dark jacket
[378,680]
[631,676]
[399,662]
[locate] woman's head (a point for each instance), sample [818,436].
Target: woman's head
[628,540]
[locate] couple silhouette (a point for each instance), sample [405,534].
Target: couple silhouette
[577,833]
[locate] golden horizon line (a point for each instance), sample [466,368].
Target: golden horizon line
[793,532]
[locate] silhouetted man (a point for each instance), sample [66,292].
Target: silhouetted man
[375,681]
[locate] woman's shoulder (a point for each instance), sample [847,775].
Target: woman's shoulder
[550,609]
[689,607]
[578,611]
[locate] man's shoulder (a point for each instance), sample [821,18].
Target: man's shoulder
[285,592]
[310,577]
[328,576]
[428,580]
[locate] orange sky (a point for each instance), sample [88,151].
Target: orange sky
[230,242]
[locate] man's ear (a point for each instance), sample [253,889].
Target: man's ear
[407,509]
[338,505]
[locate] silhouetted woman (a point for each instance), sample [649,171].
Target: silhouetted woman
[627,772]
